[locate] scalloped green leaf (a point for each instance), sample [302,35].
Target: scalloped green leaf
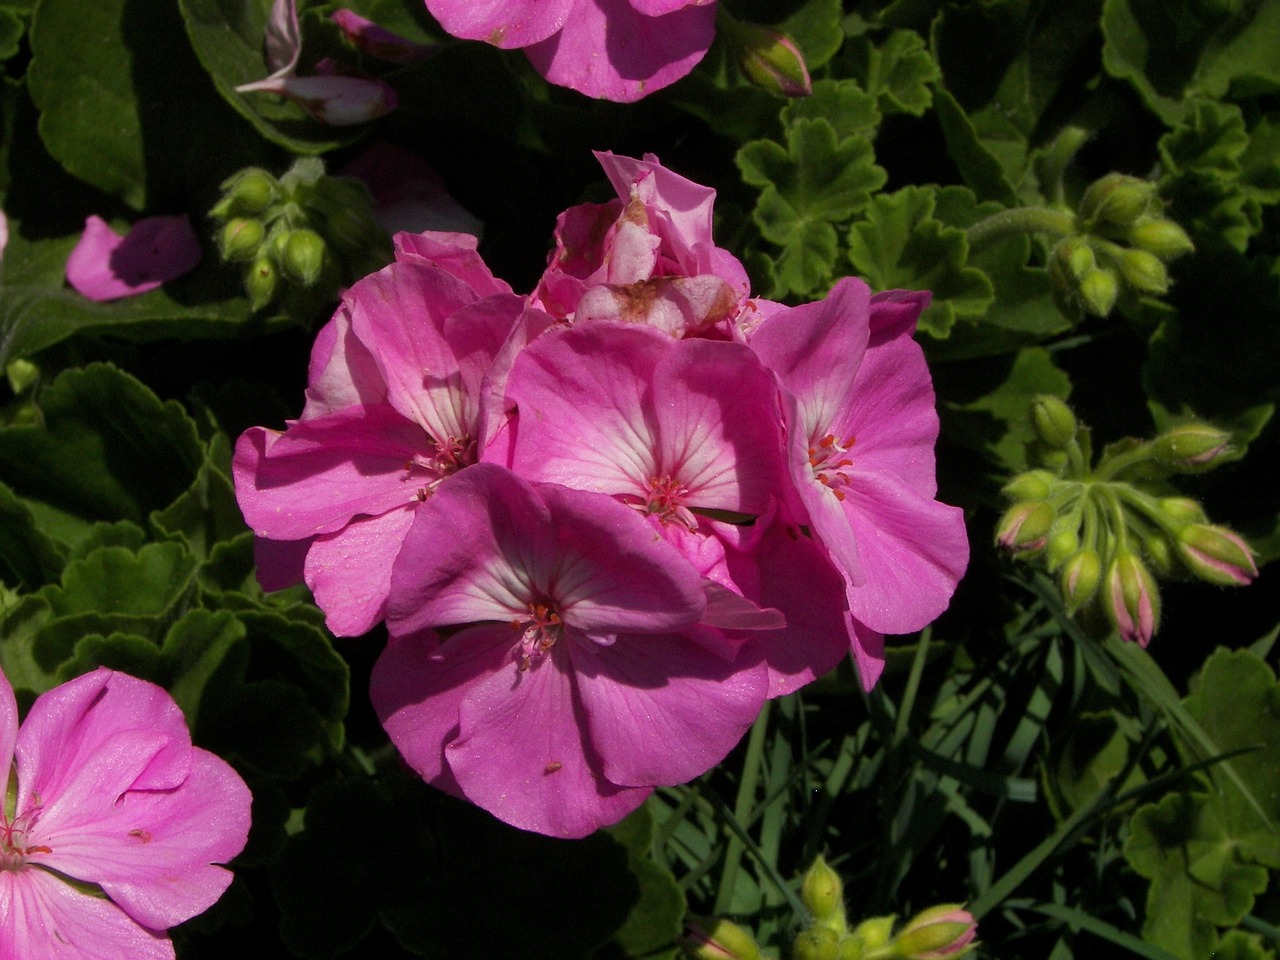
[207,513]
[656,922]
[901,245]
[1210,139]
[192,652]
[815,28]
[29,558]
[900,72]
[114,580]
[849,109]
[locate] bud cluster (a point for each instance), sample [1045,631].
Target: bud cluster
[300,237]
[1119,249]
[1108,530]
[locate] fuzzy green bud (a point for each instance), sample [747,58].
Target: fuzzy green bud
[1025,526]
[1032,485]
[1159,554]
[1161,237]
[946,930]
[869,938]
[240,238]
[1116,200]
[1216,554]
[769,59]
[247,193]
[718,939]
[1182,509]
[302,256]
[1063,542]
[817,943]
[1131,598]
[1075,257]
[1053,421]
[1098,291]
[1143,271]
[1192,447]
[823,894]
[1079,579]
[261,282]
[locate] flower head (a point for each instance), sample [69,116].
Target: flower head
[117,825]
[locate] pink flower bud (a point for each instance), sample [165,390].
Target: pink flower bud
[769,59]
[1216,554]
[1132,598]
[1191,447]
[718,939]
[946,930]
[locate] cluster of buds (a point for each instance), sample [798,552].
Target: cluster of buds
[1119,249]
[1108,530]
[301,237]
[944,932]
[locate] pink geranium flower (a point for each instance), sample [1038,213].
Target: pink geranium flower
[577,677]
[404,390]
[117,824]
[647,257]
[861,422]
[106,266]
[618,50]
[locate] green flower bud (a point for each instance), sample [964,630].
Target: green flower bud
[823,893]
[769,59]
[1053,421]
[1063,543]
[1216,554]
[1117,200]
[1032,485]
[1144,271]
[946,930]
[718,939]
[1159,554]
[303,256]
[261,282]
[1161,237]
[1075,257]
[247,193]
[1079,579]
[1025,526]
[240,239]
[1192,447]
[867,938]
[1183,510]
[817,943]
[1098,291]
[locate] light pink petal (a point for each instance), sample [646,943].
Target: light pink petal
[503,23]
[349,572]
[338,101]
[105,266]
[521,755]
[607,49]
[8,723]
[580,235]
[320,474]
[731,611]
[682,208]
[283,40]
[154,852]
[378,41]
[454,253]
[4,233]
[661,709]
[631,250]
[913,550]
[342,372]
[45,918]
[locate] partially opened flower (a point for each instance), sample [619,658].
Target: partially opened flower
[575,677]
[618,50]
[117,824]
[106,266]
[861,425]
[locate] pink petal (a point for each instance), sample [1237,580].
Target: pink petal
[105,266]
[349,572]
[868,652]
[678,306]
[378,41]
[408,193]
[8,723]
[503,23]
[338,101]
[609,50]
[342,372]
[661,709]
[283,40]
[45,918]
[656,8]
[682,207]
[4,233]
[520,754]
[454,253]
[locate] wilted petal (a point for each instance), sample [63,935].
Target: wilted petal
[336,100]
[105,266]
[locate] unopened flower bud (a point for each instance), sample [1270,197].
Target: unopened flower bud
[946,930]
[868,938]
[1053,421]
[1216,554]
[823,893]
[1161,237]
[247,193]
[817,943]
[1074,256]
[1063,543]
[1098,291]
[1144,271]
[769,59]
[1192,447]
[718,939]
[261,281]
[1032,485]
[1116,199]
[1025,526]
[303,256]
[240,239]
[1182,509]
[1159,554]
[1079,579]
[1132,600]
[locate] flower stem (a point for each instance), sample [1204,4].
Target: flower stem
[1007,223]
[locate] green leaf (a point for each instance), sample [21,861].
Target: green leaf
[11,30]
[207,513]
[815,28]
[901,244]
[977,164]
[29,558]
[849,109]
[900,72]
[114,580]
[1210,139]
[191,654]
[657,919]
[126,652]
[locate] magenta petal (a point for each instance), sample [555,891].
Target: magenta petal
[45,918]
[868,652]
[105,266]
[661,709]
[685,206]
[378,41]
[608,49]
[349,572]
[503,23]
[521,754]
[454,253]
[279,563]
[656,8]
[342,372]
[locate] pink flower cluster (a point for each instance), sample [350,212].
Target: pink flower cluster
[605,522]
[618,50]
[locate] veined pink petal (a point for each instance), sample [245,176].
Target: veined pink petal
[8,723]
[342,372]
[608,49]
[521,754]
[454,253]
[503,23]
[661,709]
[45,918]
[283,39]
[349,571]
[105,266]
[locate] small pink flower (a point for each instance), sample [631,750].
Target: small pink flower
[106,266]
[618,50]
[112,796]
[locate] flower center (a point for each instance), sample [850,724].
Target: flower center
[666,498]
[14,846]
[829,457]
[450,456]
[539,632]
